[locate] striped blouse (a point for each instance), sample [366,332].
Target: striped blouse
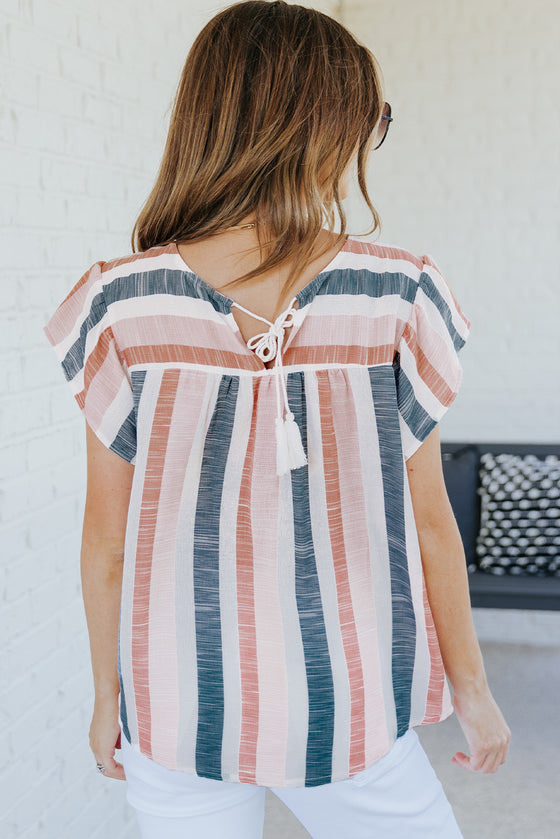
[275,627]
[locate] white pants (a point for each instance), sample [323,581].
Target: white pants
[398,797]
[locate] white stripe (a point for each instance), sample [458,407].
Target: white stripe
[274,694]
[410,443]
[142,264]
[298,706]
[365,305]
[378,264]
[185,611]
[228,580]
[153,305]
[235,371]
[116,413]
[379,550]
[437,324]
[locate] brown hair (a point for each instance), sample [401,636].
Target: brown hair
[272,96]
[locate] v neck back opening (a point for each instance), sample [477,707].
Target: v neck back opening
[226,302]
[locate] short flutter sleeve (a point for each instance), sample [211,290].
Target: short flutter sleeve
[81,335]
[427,369]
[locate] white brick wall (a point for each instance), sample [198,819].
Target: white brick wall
[87,90]
[470,174]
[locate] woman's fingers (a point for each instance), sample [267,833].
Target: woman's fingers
[113,769]
[485,729]
[473,762]
[483,761]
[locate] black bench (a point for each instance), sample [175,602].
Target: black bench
[460,468]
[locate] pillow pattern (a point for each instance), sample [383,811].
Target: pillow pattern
[519,515]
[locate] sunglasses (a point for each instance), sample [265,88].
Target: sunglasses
[383,125]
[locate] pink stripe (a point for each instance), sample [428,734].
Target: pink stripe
[169,353]
[383,251]
[246,612]
[434,699]
[138,258]
[334,354]
[144,556]
[358,564]
[163,329]
[72,310]
[103,377]
[164,687]
[349,330]
[99,378]
[432,359]
[271,655]
[340,560]
[345,338]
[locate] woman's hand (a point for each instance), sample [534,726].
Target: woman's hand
[484,727]
[104,736]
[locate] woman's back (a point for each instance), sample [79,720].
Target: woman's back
[221,259]
[274,624]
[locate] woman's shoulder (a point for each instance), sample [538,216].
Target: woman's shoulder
[139,262]
[383,257]
[125,277]
[152,271]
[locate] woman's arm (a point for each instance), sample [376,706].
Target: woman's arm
[445,571]
[109,480]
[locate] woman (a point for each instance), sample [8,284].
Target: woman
[273,578]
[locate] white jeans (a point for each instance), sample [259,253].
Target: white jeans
[398,797]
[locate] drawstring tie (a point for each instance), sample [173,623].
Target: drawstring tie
[290,453]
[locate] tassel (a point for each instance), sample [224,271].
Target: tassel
[295,446]
[282,453]
[290,451]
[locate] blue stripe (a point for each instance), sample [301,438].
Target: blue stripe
[73,361]
[124,443]
[137,377]
[206,581]
[392,472]
[164,281]
[184,284]
[416,417]
[320,686]
[359,281]
[431,291]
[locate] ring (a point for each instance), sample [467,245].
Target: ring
[100,768]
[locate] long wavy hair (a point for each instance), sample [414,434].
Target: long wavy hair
[273,103]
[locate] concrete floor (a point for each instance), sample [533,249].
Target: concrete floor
[522,799]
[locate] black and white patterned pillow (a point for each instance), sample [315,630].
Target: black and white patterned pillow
[520,515]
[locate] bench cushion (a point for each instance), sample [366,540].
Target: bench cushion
[519,515]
